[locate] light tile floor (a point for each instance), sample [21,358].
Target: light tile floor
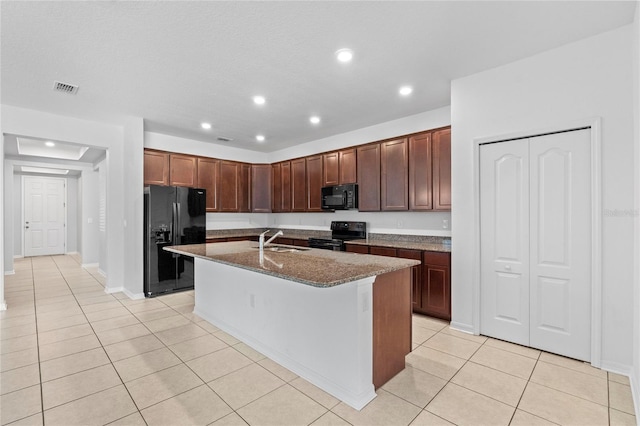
[71,354]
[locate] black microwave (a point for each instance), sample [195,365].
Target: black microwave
[340,197]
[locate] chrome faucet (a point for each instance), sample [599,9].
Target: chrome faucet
[261,241]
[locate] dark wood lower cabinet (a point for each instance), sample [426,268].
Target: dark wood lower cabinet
[436,285]
[431,281]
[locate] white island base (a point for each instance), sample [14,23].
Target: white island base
[324,335]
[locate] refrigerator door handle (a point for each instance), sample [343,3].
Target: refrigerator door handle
[178,219]
[174,225]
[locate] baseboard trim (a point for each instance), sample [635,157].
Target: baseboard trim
[130,295]
[3,306]
[18,256]
[90,265]
[101,272]
[635,393]
[71,252]
[617,368]
[11,272]
[465,328]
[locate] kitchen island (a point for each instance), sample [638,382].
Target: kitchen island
[340,320]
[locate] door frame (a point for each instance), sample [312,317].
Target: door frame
[22,189]
[594,124]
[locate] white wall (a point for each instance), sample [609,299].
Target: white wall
[635,376]
[440,117]
[3,303]
[17,215]
[72,214]
[38,124]
[589,78]
[102,223]
[236,220]
[133,284]
[89,246]
[204,149]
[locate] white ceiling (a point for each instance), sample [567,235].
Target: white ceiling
[177,64]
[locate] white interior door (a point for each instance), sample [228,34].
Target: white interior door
[535,232]
[44,215]
[561,243]
[504,253]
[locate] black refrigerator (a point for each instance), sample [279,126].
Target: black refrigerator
[173,216]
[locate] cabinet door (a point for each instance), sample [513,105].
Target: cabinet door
[416,276]
[298,185]
[229,172]
[314,183]
[156,168]
[331,169]
[184,170]
[276,189]
[369,177]
[285,185]
[420,182]
[261,188]
[208,178]
[436,285]
[356,248]
[382,251]
[441,140]
[394,187]
[347,166]
[244,188]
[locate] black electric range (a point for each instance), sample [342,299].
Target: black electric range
[341,231]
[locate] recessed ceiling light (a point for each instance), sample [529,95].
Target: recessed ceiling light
[259,100]
[405,90]
[344,55]
[315,119]
[205,126]
[50,144]
[260,138]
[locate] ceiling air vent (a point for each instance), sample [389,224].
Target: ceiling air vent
[59,86]
[223,139]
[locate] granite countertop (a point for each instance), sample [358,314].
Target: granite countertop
[399,244]
[315,267]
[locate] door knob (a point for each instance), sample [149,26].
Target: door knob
[508,267]
[27,227]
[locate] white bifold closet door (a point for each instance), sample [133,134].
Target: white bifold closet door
[535,242]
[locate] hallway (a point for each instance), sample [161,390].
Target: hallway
[87,357]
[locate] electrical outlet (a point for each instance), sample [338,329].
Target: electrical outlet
[400,224]
[445,223]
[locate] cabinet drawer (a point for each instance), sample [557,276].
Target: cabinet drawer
[436,258]
[356,248]
[410,254]
[301,243]
[382,251]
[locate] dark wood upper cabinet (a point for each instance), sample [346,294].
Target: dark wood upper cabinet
[348,166]
[229,173]
[314,183]
[298,185]
[276,187]
[394,179]
[208,179]
[369,177]
[420,181]
[184,170]
[261,188]
[441,140]
[331,169]
[286,186]
[244,188]
[281,187]
[156,168]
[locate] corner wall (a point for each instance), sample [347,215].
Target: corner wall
[586,79]
[635,374]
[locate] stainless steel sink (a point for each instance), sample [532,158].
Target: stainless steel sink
[282,249]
